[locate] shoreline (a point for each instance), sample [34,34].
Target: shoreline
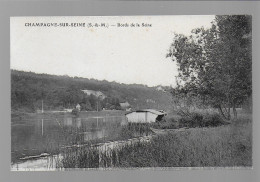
[25,115]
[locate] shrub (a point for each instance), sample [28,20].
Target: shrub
[192,120]
[213,120]
[201,120]
[168,123]
[75,112]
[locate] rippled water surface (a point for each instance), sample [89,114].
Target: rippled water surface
[33,136]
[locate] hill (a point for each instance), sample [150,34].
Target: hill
[29,90]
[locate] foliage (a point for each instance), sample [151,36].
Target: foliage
[193,120]
[83,159]
[169,123]
[135,129]
[28,89]
[201,120]
[215,65]
[224,146]
[75,112]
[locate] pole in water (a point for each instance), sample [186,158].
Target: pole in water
[42,127]
[42,106]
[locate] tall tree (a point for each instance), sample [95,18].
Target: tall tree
[215,65]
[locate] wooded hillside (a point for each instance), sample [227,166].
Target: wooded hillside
[29,89]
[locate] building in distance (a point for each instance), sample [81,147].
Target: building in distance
[95,93]
[125,106]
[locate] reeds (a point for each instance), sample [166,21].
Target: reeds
[135,129]
[57,137]
[222,146]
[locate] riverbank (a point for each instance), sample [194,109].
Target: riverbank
[219,145]
[45,162]
[36,134]
[222,146]
[16,115]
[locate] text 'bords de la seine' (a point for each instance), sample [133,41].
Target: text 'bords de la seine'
[88,25]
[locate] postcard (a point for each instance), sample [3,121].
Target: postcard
[131,92]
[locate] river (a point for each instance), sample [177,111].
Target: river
[33,137]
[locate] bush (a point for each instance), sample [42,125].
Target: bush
[201,120]
[167,123]
[214,120]
[192,121]
[75,112]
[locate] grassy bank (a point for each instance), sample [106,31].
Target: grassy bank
[31,136]
[222,146]
[193,120]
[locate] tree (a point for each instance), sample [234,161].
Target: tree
[93,101]
[85,104]
[215,64]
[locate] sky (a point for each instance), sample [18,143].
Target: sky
[121,54]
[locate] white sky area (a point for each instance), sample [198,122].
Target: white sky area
[125,55]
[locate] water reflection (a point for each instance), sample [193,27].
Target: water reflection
[91,135]
[87,124]
[67,121]
[78,122]
[42,127]
[34,136]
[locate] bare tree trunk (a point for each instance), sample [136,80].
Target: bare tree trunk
[228,114]
[221,112]
[228,111]
[234,111]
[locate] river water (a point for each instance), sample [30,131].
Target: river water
[32,137]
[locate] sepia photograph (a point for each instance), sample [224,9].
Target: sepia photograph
[131,92]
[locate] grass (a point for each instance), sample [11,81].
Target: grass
[134,130]
[193,120]
[197,119]
[222,146]
[27,139]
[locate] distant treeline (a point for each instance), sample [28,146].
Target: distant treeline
[29,90]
